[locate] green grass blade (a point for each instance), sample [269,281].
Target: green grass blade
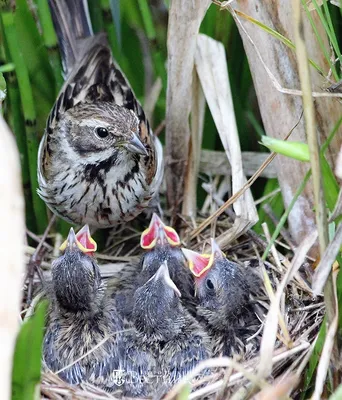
[96,16]
[320,41]
[328,28]
[50,41]
[116,14]
[284,217]
[277,35]
[27,357]
[27,102]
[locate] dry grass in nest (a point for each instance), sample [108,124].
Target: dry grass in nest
[285,345]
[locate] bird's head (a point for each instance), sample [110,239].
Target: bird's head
[220,285]
[157,306]
[94,130]
[76,278]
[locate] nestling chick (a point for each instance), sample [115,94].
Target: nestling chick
[81,316]
[161,243]
[223,292]
[164,326]
[99,162]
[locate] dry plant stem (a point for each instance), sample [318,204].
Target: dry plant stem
[248,184]
[212,69]
[185,18]
[197,122]
[216,163]
[313,143]
[273,62]
[11,253]
[323,270]
[328,350]
[271,322]
[232,199]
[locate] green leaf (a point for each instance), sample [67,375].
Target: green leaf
[185,392]
[316,354]
[27,356]
[337,395]
[297,150]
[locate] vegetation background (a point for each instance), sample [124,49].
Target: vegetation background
[31,76]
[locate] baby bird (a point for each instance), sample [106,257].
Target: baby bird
[223,290]
[99,162]
[161,243]
[164,327]
[81,319]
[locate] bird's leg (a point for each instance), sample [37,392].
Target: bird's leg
[35,261]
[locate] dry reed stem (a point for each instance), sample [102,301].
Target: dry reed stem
[195,146]
[185,18]
[12,237]
[211,65]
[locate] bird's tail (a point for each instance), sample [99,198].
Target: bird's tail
[72,22]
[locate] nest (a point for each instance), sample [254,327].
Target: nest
[286,334]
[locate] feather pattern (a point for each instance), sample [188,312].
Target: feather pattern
[107,179]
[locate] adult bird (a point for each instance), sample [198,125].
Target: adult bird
[225,305]
[83,339]
[99,162]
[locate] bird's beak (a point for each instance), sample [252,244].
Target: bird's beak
[216,251]
[71,243]
[82,240]
[135,145]
[198,263]
[163,273]
[158,232]
[86,241]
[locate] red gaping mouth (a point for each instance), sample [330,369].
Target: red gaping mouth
[158,232]
[84,241]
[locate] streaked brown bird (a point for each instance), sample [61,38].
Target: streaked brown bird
[223,290]
[99,162]
[83,335]
[166,328]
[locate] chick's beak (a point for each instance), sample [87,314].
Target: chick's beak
[163,273]
[148,238]
[198,263]
[71,243]
[216,251]
[83,241]
[135,145]
[86,243]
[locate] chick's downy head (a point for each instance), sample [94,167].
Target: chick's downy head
[221,286]
[157,308]
[76,278]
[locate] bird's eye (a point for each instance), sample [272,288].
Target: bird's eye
[209,284]
[101,132]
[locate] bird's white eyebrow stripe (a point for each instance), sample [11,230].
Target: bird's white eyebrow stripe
[93,123]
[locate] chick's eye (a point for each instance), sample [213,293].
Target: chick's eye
[101,132]
[209,284]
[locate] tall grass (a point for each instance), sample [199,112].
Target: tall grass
[137,32]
